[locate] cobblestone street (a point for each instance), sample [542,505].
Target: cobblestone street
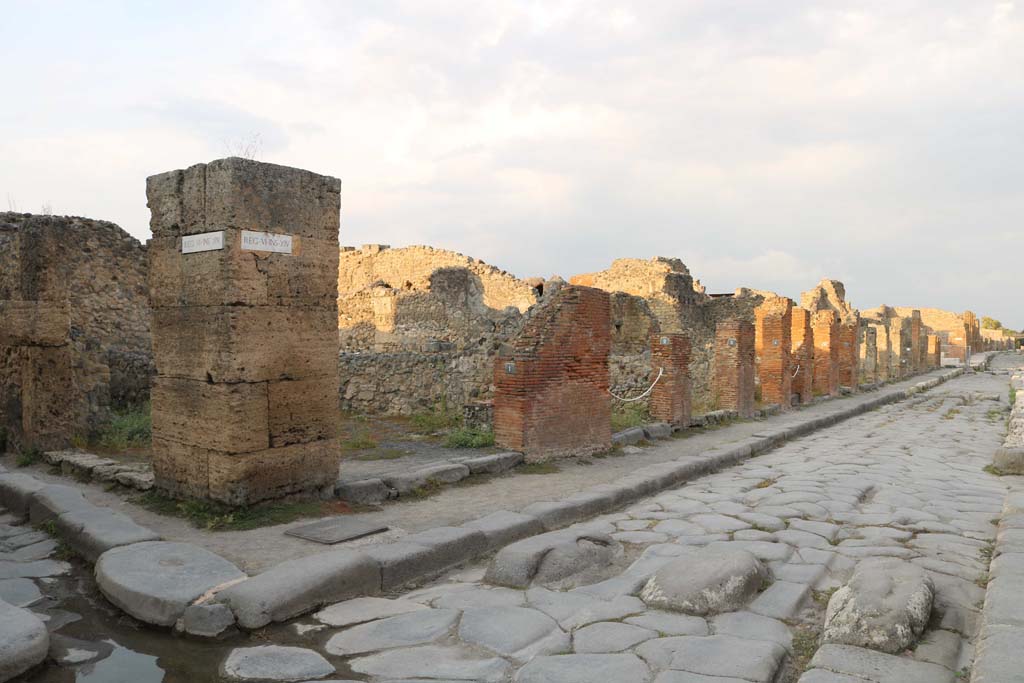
[905,481]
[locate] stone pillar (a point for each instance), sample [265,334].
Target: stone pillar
[551,395]
[934,351]
[734,367]
[914,362]
[773,336]
[849,354]
[826,353]
[883,344]
[899,337]
[802,356]
[243,290]
[671,399]
[868,354]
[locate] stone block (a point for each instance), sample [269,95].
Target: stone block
[628,437]
[54,500]
[273,473]
[1009,459]
[303,410]
[245,343]
[24,641]
[364,491]
[657,430]
[550,557]
[446,473]
[504,527]
[493,464]
[34,323]
[452,545]
[230,418]
[402,562]
[298,586]
[16,491]
[555,515]
[93,532]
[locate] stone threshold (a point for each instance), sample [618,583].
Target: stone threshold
[298,586]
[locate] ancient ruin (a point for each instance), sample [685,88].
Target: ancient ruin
[243,288]
[802,355]
[671,395]
[734,367]
[74,339]
[773,344]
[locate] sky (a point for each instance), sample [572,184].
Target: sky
[766,143]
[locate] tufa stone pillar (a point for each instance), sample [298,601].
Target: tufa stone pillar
[243,289]
[551,395]
[849,354]
[670,399]
[773,345]
[868,354]
[802,356]
[934,351]
[826,353]
[734,367]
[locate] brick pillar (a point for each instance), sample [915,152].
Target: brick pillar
[849,354]
[773,334]
[670,398]
[802,355]
[934,351]
[734,367]
[551,392]
[868,354]
[243,290]
[826,353]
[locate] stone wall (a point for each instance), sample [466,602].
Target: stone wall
[551,387]
[75,339]
[245,403]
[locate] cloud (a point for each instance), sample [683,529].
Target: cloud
[765,144]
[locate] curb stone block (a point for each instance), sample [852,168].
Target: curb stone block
[493,464]
[301,585]
[448,473]
[402,562]
[592,502]
[453,545]
[363,491]
[207,620]
[93,532]
[16,492]
[504,527]
[657,430]
[54,500]
[555,515]
[628,437]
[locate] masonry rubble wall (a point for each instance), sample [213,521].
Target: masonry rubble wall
[773,334]
[75,338]
[245,403]
[551,385]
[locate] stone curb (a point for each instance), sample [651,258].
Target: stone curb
[298,586]
[1001,636]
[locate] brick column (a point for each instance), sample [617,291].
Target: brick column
[670,399]
[934,351]
[243,289]
[826,353]
[868,354]
[734,367]
[773,336]
[551,392]
[802,355]
[849,354]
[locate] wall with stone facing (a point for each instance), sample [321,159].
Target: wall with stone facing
[734,367]
[75,339]
[245,404]
[670,397]
[551,387]
[773,335]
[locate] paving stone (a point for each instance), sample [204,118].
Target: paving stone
[574,609]
[877,666]
[782,600]
[706,582]
[762,550]
[24,641]
[679,527]
[609,636]
[208,620]
[939,647]
[801,539]
[885,606]
[823,676]
[404,630]
[753,627]
[274,663]
[440,662]
[687,677]
[750,660]
[823,529]
[30,553]
[639,537]
[516,632]
[155,581]
[717,524]
[298,586]
[550,557]
[19,592]
[478,596]
[32,570]
[799,573]
[361,610]
[670,623]
[585,668]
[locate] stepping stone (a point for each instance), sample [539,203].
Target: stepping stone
[706,582]
[609,636]
[361,610]
[155,581]
[782,600]
[877,666]
[550,557]
[885,606]
[19,592]
[274,663]
[749,660]
[439,662]
[414,628]
[515,632]
[584,669]
[24,641]
[753,627]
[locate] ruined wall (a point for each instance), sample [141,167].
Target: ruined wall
[734,367]
[934,351]
[802,357]
[868,343]
[670,397]
[75,339]
[773,344]
[245,403]
[551,387]
[826,352]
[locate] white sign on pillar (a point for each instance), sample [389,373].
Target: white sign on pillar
[266,241]
[206,241]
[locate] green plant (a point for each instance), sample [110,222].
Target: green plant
[538,468]
[382,454]
[431,422]
[28,456]
[219,517]
[465,437]
[993,470]
[128,428]
[359,439]
[628,415]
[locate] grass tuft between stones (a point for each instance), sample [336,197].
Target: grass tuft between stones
[465,437]
[538,468]
[219,517]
